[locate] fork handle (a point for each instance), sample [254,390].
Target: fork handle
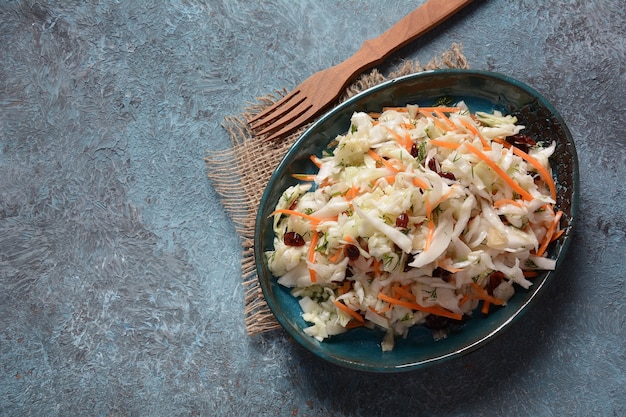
[418,22]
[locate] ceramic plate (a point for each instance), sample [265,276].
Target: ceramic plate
[481,91]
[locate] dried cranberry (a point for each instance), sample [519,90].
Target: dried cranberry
[447,175]
[432,164]
[352,252]
[415,152]
[442,273]
[495,279]
[521,141]
[402,220]
[293,239]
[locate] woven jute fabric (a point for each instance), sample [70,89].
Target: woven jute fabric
[241,172]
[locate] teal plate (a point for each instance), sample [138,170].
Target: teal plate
[482,91]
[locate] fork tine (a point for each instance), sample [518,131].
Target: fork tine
[285,119]
[293,124]
[275,110]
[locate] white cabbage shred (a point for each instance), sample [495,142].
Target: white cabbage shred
[408,222]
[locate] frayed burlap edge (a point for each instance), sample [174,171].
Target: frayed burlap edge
[241,172]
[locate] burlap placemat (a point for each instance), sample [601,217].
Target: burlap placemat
[241,172]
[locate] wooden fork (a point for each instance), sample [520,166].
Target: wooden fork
[322,88]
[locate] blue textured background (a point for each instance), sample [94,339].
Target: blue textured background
[119,270]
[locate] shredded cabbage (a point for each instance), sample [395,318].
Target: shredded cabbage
[410,227]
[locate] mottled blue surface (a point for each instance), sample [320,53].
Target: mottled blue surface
[120,288]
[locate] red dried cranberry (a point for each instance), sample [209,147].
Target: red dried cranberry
[402,220]
[352,252]
[293,239]
[495,279]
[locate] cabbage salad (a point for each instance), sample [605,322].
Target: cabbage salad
[417,215]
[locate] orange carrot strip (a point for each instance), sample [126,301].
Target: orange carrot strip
[336,257]
[558,234]
[530,273]
[383,161]
[304,177]
[464,299]
[348,310]
[550,232]
[344,288]
[441,108]
[311,257]
[482,294]
[438,311]
[476,132]
[505,201]
[352,192]
[485,309]
[376,264]
[316,161]
[314,220]
[443,265]
[442,116]
[398,290]
[518,189]
[353,324]
[429,236]
[404,141]
[442,144]
[543,172]
[420,183]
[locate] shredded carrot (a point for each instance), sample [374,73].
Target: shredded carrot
[336,257]
[374,115]
[352,192]
[485,308]
[420,183]
[383,161]
[446,119]
[376,264]
[518,189]
[530,273]
[391,179]
[402,292]
[444,265]
[345,288]
[543,172]
[314,220]
[311,258]
[404,141]
[463,299]
[429,236]
[441,108]
[476,132]
[549,233]
[557,234]
[443,144]
[482,294]
[441,125]
[349,311]
[316,161]
[438,311]
[353,324]
[304,177]
[505,201]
